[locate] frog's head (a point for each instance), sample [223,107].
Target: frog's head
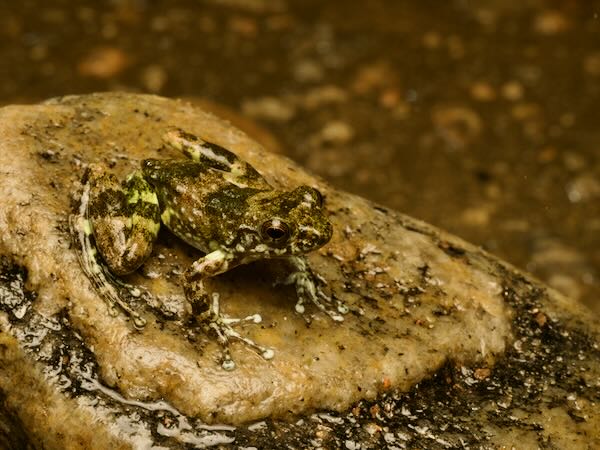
[293,222]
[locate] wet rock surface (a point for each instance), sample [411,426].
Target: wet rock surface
[444,346]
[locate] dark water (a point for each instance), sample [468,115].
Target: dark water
[481,117]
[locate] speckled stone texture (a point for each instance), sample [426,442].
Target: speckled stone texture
[421,301]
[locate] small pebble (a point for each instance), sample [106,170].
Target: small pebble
[337,132]
[269,108]
[308,71]
[103,62]
[550,22]
[154,78]
[513,90]
[591,64]
[583,188]
[483,92]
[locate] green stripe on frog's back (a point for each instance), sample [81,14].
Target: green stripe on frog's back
[142,203]
[135,196]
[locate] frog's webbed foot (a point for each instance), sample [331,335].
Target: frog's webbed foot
[308,288]
[223,327]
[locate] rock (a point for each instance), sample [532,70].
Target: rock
[444,344]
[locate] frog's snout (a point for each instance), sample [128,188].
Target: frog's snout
[314,235]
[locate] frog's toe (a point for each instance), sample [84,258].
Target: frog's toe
[334,316]
[324,303]
[341,307]
[225,332]
[227,363]
[254,318]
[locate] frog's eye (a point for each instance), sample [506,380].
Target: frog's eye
[275,231]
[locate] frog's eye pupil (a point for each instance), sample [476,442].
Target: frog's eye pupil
[275,231]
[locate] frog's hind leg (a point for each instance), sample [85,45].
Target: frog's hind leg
[212,155]
[115,230]
[124,218]
[102,280]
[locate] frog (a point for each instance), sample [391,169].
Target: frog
[215,202]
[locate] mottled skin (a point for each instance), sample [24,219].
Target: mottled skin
[216,203]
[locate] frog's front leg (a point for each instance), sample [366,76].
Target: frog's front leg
[308,289]
[205,307]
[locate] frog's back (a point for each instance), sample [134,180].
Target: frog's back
[198,203]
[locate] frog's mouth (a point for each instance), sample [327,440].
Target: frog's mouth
[262,252]
[252,246]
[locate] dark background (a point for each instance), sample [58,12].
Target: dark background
[481,117]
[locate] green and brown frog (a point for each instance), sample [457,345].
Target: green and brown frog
[215,202]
